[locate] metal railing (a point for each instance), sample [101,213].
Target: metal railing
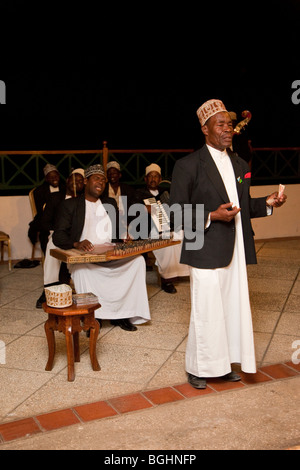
[23,170]
[276,165]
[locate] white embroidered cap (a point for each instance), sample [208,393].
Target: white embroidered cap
[94,170]
[49,168]
[80,171]
[209,109]
[113,165]
[153,167]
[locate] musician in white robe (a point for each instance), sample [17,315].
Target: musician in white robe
[120,285]
[220,330]
[167,259]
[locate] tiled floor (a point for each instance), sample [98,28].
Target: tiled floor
[136,401]
[139,370]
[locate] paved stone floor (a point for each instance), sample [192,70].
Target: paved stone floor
[140,398]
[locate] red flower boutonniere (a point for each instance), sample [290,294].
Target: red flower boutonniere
[247,175]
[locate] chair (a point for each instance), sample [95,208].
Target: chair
[5,241]
[34,212]
[32,202]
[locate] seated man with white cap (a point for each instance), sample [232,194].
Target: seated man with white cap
[41,195]
[116,188]
[122,193]
[51,184]
[120,285]
[56,272]
[167,259]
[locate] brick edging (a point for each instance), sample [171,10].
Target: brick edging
[117,406]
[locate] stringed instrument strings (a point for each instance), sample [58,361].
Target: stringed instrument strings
[119,251]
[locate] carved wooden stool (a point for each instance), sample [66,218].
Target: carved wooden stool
[71,321]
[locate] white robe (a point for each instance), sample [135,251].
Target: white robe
[167,259]
[120,285]
[168,263]
[51,265]
[221,330]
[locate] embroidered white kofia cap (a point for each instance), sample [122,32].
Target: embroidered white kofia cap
[209,109]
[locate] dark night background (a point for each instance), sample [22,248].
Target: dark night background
[134,74]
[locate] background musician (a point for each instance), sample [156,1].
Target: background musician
[241,144]
[122,193]
[115,188]
[56,272]
[167,259]
[41,194]
[120,285]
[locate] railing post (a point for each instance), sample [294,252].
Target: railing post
[105,155]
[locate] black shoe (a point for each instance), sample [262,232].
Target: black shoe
[196,382]
[168,287]
[124,323]
[40,300]
[232,377]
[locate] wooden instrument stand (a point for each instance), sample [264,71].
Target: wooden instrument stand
[71,321]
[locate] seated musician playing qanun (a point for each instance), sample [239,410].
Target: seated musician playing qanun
[120,285]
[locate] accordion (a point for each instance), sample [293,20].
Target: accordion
[158,213]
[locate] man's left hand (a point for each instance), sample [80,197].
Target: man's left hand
[276,201]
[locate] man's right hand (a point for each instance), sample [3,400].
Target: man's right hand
[85,245]
[224,213]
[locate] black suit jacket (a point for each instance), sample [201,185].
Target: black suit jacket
[144,193]
[70,223]
[126,190]
[51,211]
[196,180]
[41,194]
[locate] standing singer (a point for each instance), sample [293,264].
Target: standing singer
[220,331]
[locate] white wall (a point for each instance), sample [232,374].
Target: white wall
[285,221]
[15,215]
